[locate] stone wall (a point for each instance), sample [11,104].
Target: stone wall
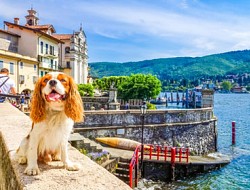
[14,126]
[194,128]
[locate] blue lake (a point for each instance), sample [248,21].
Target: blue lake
[227,108]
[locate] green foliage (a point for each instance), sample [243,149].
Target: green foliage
[83,151]
[86,89]
[106,82]
[226,85]
[187,68]
[139,86]
[151,106]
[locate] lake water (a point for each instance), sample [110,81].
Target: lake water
[236,175]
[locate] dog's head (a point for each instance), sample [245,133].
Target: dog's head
[56,91]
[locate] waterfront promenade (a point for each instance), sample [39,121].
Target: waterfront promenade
[15,125]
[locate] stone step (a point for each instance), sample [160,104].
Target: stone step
[125,160]
[123,165]
[122,171]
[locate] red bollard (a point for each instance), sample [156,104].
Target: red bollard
[233,132]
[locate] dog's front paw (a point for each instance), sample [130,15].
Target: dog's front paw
[32,170]
[71,166]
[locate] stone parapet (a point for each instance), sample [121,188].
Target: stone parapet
[193,128]
[13,128]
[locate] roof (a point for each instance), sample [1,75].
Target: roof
[62,36]
[11,33]
[42,27]
[35,30]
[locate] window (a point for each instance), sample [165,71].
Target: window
[68,64]
[41,46]
[47,48]
[51,63]
[21,65]
[41,73]
[1,64]
[67,50]
[21,79]
[34,67]
[50,50]
[11,68]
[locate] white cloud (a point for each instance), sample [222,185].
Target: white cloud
[192,27]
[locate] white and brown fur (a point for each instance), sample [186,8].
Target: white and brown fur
[52,123]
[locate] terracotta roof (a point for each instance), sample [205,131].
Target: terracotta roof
[42,27]
[11,33]
[62,36]
[35,30]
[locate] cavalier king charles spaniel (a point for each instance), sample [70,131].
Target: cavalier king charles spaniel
[56,104]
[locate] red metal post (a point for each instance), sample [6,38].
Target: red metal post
[165,153]
[173,155]
[233,132]
[136,167]
[158,152]
[131,176]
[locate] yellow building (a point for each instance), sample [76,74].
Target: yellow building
[23,69]
[36,41]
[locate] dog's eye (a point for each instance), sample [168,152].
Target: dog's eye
[62,80]
[46,80]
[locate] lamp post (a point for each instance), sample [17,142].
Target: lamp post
[143,112]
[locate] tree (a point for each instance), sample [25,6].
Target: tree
[139,86]
[86,89]
[105,82]
[226,85]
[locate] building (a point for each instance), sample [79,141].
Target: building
[74,59]
[31,50]
[23,69]
[41,44]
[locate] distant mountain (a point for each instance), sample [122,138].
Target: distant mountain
[180,67]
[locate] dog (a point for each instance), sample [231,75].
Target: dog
[56,104]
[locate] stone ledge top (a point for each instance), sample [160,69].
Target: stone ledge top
[15,125]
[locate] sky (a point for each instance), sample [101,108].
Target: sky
[136,30]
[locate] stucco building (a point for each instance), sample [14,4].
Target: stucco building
[31,50]
[23,69]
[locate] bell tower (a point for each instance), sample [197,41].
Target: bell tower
[31,19]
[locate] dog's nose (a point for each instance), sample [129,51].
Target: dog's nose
[52,83]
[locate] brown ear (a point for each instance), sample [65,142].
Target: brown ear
[74,104]
[37,112]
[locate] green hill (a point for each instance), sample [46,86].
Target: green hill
[180,67]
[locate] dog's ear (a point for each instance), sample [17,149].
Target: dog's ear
[37,112]
[74,104]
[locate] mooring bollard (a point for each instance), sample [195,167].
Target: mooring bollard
[233,132]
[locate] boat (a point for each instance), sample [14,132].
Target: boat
[117,142]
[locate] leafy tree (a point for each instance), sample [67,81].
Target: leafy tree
[226,85]
[86,89]
[106,82]
[139,86]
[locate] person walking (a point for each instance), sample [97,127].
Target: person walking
[7,85]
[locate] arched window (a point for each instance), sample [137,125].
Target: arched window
[67,50]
